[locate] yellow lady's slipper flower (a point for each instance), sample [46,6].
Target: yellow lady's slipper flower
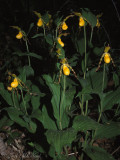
[19,35]
[66,70]
[64,26]
[60,42]
[40,22]
[81,22]
[107,58]
[15,83]
[9,88]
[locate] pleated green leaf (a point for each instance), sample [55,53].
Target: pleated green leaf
[47,122]
[69,96]
[109,99]
[49,39]
[108,130]
[65,157]
[31,54]
[7,96]
[89,16]
[35,100]
[38,35]
[29,71]
[5,121]
[84,123]
[58,139]
[55,89]
[93,82]
[97,153]
[19,117]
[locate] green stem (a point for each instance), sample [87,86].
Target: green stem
[93,136]
[117,111]
[86,137]
[94,132]
[81,157]
[62,100]
[81,105]
[103,77]
[28,52]
[86,110]
[85,52]
[24,102]
[13,99]
[91,35]
[99,116]
[66,151]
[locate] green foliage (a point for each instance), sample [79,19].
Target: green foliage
[89,16]
[5,121]
[47,122]
[109,130]
[49,39]
[68,110]
[21,54]
[97,153]
[5,94]
[116,79]
[59,139]
[35,100]
[24,121]
[80,46]
[93,82]
[109,99]
[55,89]
[84,123]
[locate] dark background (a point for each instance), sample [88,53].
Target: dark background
[20,13]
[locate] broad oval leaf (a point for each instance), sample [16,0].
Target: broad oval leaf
[91,18]
[55,89]
[109,99]
[84,123]
[108,130]
[7,96]
[97,153]
[58,139]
